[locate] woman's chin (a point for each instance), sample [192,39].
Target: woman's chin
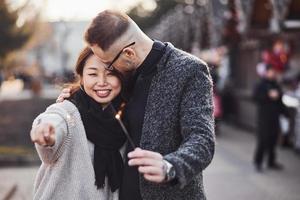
[103,100]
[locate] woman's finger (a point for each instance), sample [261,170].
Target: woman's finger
[49,134]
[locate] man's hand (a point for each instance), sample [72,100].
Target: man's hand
[65,93]
[43,134]
[149,163]
[274,94]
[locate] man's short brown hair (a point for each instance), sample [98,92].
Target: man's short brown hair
[106,28]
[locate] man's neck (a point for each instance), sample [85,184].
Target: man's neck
[145,50]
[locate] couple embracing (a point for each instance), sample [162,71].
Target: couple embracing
[168,113]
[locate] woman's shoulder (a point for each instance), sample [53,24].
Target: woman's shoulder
[65,109]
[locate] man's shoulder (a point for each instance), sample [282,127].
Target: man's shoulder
[182,58]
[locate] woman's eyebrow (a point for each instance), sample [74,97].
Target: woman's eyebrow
[92,68]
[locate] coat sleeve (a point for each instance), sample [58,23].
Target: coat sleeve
[50,154]
[197,127]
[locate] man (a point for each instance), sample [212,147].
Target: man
[169,113]
[268,95]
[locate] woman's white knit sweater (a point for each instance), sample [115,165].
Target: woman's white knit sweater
[67,171]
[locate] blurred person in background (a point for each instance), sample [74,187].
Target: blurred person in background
[169,113]
[278,56]
[79,140]
[296,139]
[267,95]
[289,85]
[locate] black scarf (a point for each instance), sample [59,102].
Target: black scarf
[103,130]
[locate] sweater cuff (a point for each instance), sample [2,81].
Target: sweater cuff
[50,154]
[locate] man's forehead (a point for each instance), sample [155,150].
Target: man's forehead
[103,56]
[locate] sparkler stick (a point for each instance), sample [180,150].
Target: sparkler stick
[118,116]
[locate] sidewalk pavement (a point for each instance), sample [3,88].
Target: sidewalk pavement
[230,176]
[20,177]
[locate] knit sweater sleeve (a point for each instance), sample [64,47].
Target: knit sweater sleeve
[50,154]
[197,127]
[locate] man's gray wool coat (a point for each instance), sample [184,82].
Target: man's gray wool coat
[179,124]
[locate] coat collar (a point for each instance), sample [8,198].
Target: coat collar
[163,63]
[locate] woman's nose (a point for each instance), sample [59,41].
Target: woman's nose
[102,81]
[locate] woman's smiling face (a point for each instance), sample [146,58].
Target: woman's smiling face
[100,84]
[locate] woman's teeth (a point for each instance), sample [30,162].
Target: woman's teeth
[102,93]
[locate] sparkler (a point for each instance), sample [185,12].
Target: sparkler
[118,116]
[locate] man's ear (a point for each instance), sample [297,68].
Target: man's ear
[129,52]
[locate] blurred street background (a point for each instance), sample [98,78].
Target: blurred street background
[41,39]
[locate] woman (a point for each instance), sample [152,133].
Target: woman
[79,140]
